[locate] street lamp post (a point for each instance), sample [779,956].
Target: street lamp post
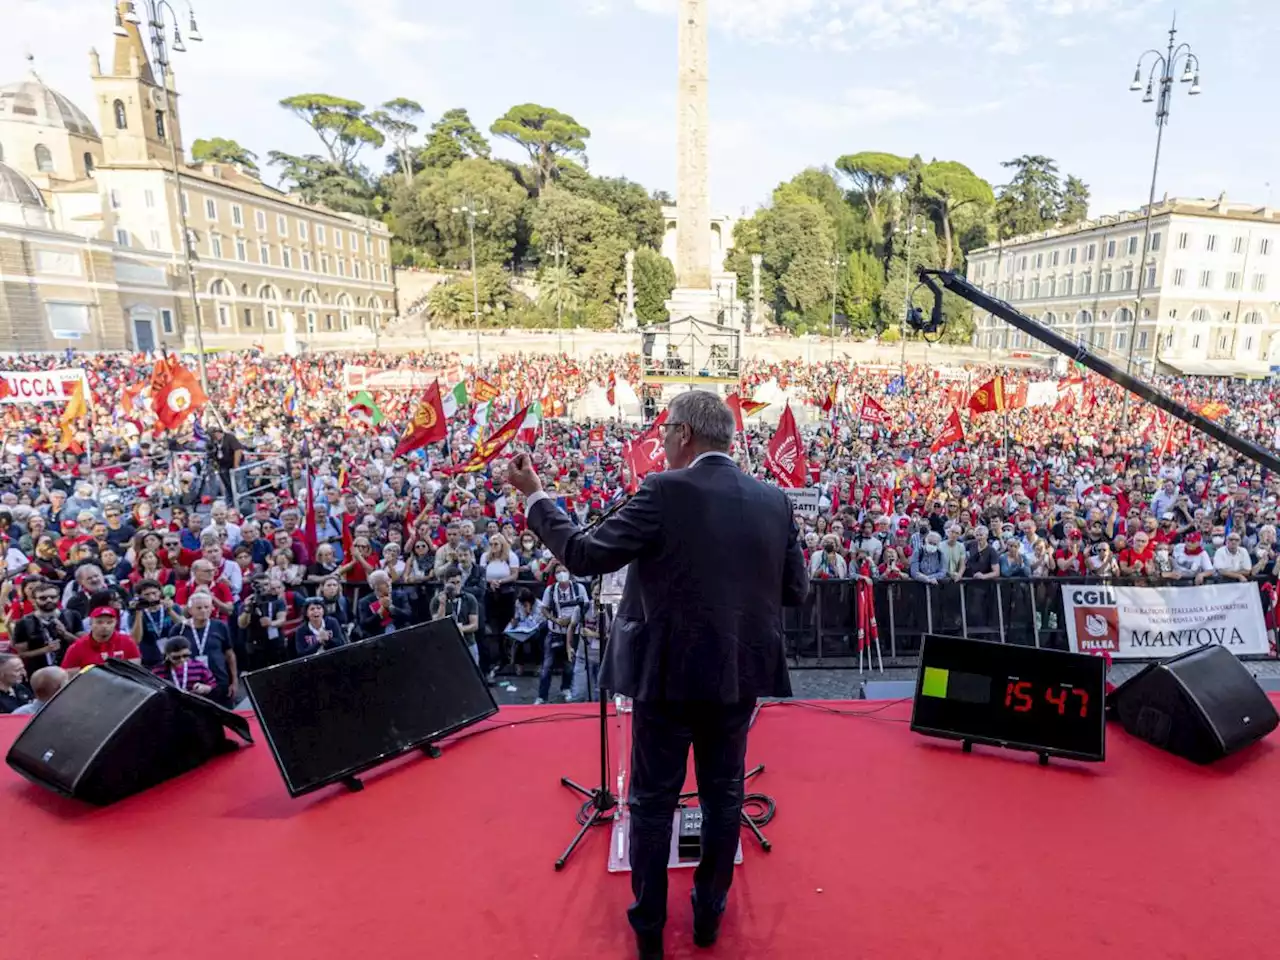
[375,316]
[836,264]
[469,210]
[906,299]
[558,251]
[1163,67]
[155,10]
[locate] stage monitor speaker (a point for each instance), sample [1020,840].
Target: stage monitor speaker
[333,715]
[116,730]
[1202,705]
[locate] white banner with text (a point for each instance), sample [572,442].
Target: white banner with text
[1140,623]
[42,386]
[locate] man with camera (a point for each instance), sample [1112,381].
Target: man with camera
[42,636]
[154,618]
[452,602]
[262,617]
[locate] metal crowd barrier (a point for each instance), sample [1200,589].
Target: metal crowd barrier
[1028,611]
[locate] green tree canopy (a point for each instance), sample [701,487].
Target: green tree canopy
[948,187]
[218,150]
[593,236]
[424,213]
[395,120]
[642,214]
[1075,201]
[1030,201]
[453,138]
[342,125]
[654,280]
[874,177]
[317,181]
[546,135]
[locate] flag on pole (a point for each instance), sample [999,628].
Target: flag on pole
[611,394]
[484,391]
[291,400]
[486,450]
[872,412]
[644,454]
[309,535]
[427,426]
[829,401]
[482,414]
[455,399]
[532,421]
[364,409]
[175,392]
[785,456]
[952,432]
[989,398]
[742,408]
[73,411]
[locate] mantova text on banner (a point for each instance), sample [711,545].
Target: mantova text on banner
[1139,623]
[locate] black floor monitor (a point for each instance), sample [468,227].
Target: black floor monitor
[333,715]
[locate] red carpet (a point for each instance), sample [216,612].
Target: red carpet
[886,845]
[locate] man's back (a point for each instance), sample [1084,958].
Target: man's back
[715,558]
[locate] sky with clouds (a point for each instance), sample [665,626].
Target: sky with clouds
[794,83]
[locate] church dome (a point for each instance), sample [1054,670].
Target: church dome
[17,189]
[31,101]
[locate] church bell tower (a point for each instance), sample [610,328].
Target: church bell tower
[138,114]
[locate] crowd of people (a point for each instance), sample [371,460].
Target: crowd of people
[189,553]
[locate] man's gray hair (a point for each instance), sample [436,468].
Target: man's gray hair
[709,419]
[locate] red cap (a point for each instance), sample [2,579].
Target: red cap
[1074,534]
[68,524]
[104,612]
[1193,537]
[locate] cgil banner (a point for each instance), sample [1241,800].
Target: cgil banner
[1140,623]
[42,386]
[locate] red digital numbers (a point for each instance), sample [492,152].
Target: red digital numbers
[1017,697]
[1018,690]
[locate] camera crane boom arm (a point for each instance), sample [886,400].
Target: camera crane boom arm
[948,280]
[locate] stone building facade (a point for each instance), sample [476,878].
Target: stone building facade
[1210,297]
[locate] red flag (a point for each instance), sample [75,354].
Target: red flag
[989,398]
[175,393]
[484,391]
[1214,410]
[611,394]
[785,456]
[952,432]
[645,455]
[486,450]
[309,535]
[348,522]
[872,412]
[829,401]
[595,438]
[428,424]
[742,407]
[1016,398]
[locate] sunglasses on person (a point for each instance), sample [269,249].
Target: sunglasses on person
[185,655]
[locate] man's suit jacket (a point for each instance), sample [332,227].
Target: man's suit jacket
[714,558]
[371,624]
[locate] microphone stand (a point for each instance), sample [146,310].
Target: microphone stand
[600,804]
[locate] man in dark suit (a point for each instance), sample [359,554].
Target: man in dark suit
[697,639]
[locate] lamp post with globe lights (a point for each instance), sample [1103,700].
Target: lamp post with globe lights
[1163,69]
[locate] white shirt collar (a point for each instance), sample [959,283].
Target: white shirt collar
[710,453]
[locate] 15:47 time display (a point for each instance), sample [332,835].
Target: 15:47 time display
[1021,696]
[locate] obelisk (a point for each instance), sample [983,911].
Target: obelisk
[693,295]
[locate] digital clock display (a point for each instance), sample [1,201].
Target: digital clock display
[1047,701]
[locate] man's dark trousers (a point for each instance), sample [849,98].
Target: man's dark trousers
[663,733]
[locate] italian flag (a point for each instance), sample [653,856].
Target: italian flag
[454,399]
[365,410]
[532,421]
[482,414]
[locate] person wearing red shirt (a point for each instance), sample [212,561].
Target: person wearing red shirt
[202,579]
[102,642]
[1137,560]
[1069,560]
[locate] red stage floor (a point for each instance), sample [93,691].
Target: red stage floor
[886,845]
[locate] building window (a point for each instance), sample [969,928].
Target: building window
[122,236]
[1022,284]
[1154,245]
[1211,242]
[1071,255]
[1126,276]
[1233,280]
[1264,246]
[1199,315]
[1086,283]
[260,221]
[1259,282]
[211,209]
[355,272]
[1121,338]
[337,239]
[319,233]
[160,125]
[1067,283]
[264,253]
[302,230]
[215,245]
[306,261]
[1248,344]
[342,266]
[1039,260]
[44,159]
[88,163]
[149,198]
[67,321]
[237,215]
[1111,249]
[248,316]
[242,253]
[114,196]
[1195,341]
[1151,277]
[384,274]
[353,240]
[155,239]
[282,225]
[1184,238]
[324,263]
[1237,245]
[1179,277]
[1142,340]
[328,321]
[286,258]
[1223,341]
[122,120]
[271,319]
[1053,257]
[224,315]
[166,321]
[1206,279]
[1035,281]
[1131,246]
[311,321]
[1104,282]
[192,239]
[383,245]
[1090,252]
